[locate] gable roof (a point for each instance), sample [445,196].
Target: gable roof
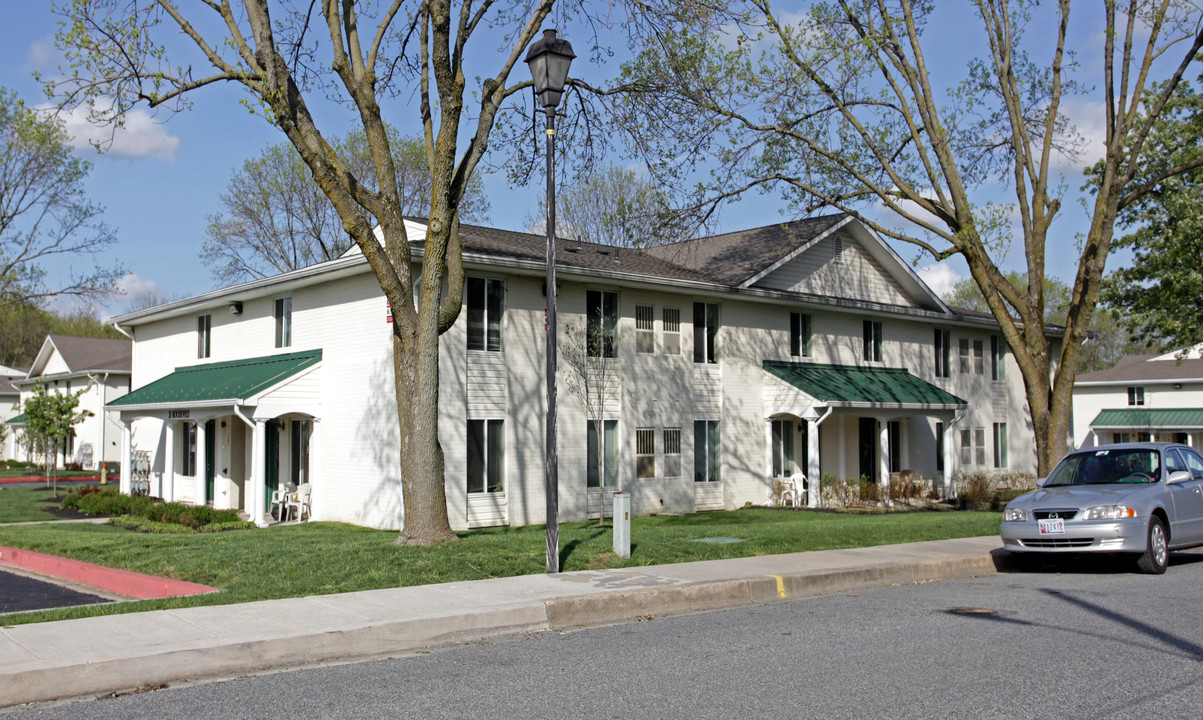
[84,354]
[1146,368]
[224,383]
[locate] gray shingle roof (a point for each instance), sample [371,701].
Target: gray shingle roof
[1138,368]
[83,353]
[735,257]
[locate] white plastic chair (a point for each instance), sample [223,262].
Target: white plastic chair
[793,489]
[280,499]
[300,501]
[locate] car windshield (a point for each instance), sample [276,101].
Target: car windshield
[1105,467]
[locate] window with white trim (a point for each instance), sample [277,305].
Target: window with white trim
[486,456]
[672,331]
[799,335]
[943,350]
[601,324]
[998,359]
[872,341]
[783,448]
[706,449]
[672,452]
[705,332]
[979,361]
[283,317]
[645,453]
[204,335]
[1000,445]
[486,314]
[1136,396]
[645,329]
[603,465]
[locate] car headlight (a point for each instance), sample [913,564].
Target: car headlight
[1108,512]
[1015,515]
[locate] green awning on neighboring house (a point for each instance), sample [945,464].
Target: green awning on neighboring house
[17,420]
[1149,418]
[852,385]
[229,382]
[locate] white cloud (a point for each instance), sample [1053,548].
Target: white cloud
[38,55]
[141,137]
[1089,117]
[940,277]
[132,284]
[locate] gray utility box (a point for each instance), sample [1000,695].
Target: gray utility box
[622,524]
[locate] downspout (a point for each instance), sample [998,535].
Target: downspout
[118,329]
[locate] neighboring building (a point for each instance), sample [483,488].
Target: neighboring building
[1144,397]
[10,409]
[807,347]
[100,368]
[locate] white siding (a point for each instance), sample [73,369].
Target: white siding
[858,276]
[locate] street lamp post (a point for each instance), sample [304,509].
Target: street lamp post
[549,59]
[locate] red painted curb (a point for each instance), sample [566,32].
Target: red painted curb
[120,582]
[42,478]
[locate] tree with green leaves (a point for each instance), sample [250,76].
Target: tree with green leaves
[301,64]
[277,219]
[50,418]
[44,212]
[24,327]
[1107,342]
[837,108]
[1162,289]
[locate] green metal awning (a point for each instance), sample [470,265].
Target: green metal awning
[18,420]
[230,382]
[1149,418]
[852,385]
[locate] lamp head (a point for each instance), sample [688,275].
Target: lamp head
[549,59]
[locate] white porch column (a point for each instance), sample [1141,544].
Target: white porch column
[202,463]
[257,492]
[167,479]
[842,423]
[123,485]
[883,459]
[950,470]
[904,452]
[768,458]
[813,468]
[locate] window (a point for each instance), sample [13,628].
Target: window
[1121,437]
[486,308]
[799,335]
[705,451]
[963,354]
[973,446]
[204,331]
[603,465]
[943,351]
[645,329]
[672,452]
[283,315]
[672,331]
[601,323]
[939,447]
[1194,463]
[705,331]
[872,344]
[301,430]
[837,249]
[783,448]
[894,435]
[188,451]
[486,456]
[1136,396]
[645,453]
[1000,445]
[979,362]
[998,359]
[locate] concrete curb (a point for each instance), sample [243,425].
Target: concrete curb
[78,658]
[119,582]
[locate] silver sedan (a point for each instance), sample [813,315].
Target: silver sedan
[1141,499]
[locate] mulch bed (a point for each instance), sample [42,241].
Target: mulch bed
[52,508]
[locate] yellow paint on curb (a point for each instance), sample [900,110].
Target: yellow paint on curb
[780,586]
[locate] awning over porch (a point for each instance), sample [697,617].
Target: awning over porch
[222,383]
[1149,419]
[852,386]
[17,420]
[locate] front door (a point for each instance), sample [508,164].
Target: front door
[210,452]
[868,449]
[272,461]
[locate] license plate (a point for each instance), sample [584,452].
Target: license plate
[1055,526]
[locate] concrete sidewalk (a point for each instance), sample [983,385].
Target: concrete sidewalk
[93,656]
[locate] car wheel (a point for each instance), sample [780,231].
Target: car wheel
[1156,556]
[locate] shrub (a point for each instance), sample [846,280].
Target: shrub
[975,487]
[869,491]
[836,490]
[74,466]
[142,512]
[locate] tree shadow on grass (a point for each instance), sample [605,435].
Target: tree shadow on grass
[570,546]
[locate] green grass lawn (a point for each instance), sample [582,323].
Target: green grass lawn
[318,558]
[26,504]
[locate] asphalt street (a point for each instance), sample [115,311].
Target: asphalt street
[19,593]
[1067,640]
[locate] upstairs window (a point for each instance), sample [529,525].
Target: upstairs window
[872,341]
[204,333]
[705,332]
[979,362]
[672,331]
[998,359]
[486,308]
[943,351]
[645,329]
[963,354]
[601,325]
[283,316]
[1136,396]
[799,335]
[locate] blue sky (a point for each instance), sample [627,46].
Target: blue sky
[161,180]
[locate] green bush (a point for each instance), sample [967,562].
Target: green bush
[142,512]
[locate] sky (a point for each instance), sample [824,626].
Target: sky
[163,176]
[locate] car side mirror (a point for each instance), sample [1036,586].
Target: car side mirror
[1178,476]
[1040,482]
